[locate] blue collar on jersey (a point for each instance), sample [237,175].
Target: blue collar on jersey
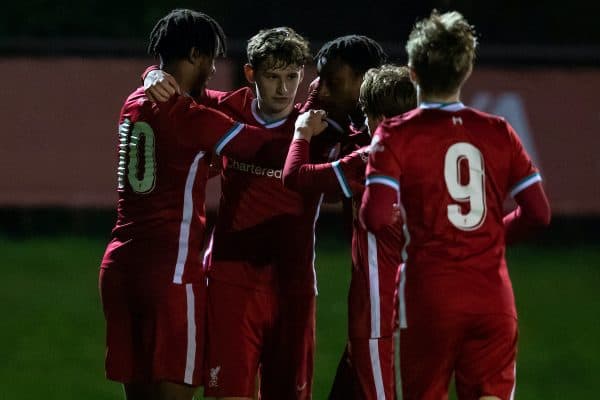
[268,125]
[454,106]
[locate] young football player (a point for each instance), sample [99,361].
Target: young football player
[451,168]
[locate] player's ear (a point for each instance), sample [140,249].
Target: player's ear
[413,75]
[195,56]
[249,73]
[468,74]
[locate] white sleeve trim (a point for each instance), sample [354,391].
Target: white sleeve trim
[228,137]
[341,178]
[525,183]
[383,180]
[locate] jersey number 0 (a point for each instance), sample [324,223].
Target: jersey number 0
[141,178]
[473,192]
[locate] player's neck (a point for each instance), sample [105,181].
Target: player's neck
[183,77]
[435,98]
[272,116]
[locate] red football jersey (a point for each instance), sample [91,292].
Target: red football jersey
[264,233]
[162,171]
[374,257]
[453,166]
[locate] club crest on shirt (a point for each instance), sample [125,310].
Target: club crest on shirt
[364,153]
[213,379]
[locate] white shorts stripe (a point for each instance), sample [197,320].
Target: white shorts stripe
[397,372]
[190,361]
[374,285]
[376,367]
[186,219]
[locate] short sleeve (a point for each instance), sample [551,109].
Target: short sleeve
[383,167]
[523,172]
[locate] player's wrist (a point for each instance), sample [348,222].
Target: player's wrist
[303,133]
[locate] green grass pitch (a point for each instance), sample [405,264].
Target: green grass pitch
[52,330]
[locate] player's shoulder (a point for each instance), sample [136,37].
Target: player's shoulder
[137,106]
[491,119]
[410,117]
[392,128]
[239,99]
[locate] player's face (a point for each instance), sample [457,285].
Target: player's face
[204,67]
[276,88]
[340,86]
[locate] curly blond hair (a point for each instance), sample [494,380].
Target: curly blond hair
[441,50]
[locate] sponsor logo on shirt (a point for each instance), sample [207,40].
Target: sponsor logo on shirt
[255,169]
[213,379]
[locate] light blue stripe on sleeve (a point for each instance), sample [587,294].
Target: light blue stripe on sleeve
[525,183]
[383,180]
[341,178]
[235,129]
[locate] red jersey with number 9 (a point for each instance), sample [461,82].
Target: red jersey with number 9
[454,166]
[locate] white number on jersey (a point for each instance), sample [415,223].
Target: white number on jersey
[473,192]
[129,139]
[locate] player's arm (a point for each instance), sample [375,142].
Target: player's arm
[329,178]
[381,198]
[533,210]
[211,130]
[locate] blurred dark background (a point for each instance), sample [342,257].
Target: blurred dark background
[550,30]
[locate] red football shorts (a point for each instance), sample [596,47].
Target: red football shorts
[154,328]
[370,329]
[373,363]
[479,349]
[253,330]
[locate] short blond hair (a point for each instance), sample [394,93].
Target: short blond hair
[387,91]
[441,51]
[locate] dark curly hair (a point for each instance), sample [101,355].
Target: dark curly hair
[176,33]
[357,51]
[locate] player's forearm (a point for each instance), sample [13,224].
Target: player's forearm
[377,208]
[533,212]
[300,175]
[210,130]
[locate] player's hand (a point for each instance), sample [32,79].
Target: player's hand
[310,124]
[160,86]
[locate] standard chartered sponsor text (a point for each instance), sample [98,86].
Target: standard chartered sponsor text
[255,169]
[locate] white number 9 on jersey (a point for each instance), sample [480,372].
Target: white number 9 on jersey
[473,192]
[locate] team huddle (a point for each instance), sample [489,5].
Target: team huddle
[423,180]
